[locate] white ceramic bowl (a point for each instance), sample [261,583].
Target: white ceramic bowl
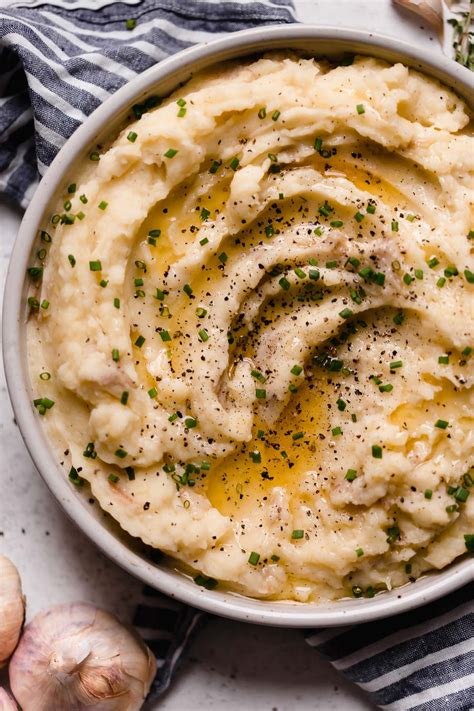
[128,552]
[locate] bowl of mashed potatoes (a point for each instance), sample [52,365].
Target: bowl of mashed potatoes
[239,326]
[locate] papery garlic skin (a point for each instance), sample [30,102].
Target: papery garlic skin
[76,657]
[6,702]
[430,10]
[12,609]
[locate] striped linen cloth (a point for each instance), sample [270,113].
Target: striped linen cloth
[58,62]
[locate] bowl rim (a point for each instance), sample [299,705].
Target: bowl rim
[176,585]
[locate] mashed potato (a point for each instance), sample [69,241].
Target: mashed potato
[255,323]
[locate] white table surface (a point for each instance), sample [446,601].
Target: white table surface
[229,665]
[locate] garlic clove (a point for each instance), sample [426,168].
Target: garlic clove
[6,702]
[430,10]
[12,609]
[76,657]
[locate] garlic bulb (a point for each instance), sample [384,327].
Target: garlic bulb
[76,657]
[430,10]
[6,702]
[12,609]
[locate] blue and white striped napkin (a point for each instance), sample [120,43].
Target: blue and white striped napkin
[58,62]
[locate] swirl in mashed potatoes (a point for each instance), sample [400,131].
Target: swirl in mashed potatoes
[259,327]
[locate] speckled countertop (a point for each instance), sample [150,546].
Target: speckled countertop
[262,669]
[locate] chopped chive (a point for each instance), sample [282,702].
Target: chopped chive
[83,199]
[204,214]
[441,282]
[67,205]
[190,423]
[341,404]
[467,351]
[132,136]
[469,542]
[152,392]
[256,457]
[71,188]
[44,304]
[336,431]
[441,424]
[117,303]
[407,278]
[318,231]
[357,591]
[113,478]
[276,115]
[187,290]
[336,223]
[260,393]
[359,552]
[318,144]
[95,266]
[396,364]
[254,558]
[204,582]
[359,216]
[80,215]
[35,273]
[377,452]
[469,276]
[165,336]
[379,278]
[160,295]
[351,474]
[124,397]
[360,109]
[203,335]
[332,264]
[234,163]
[443,360]
[450,271]
[115,354]
[275,558]
[297,435]
[394,226]
[284,283]
[387,388]
[399,318]
[203,241]
[371,208]
[181,112]
[269,231]
[258,376]
[215,165]
[140,341]
[345,313]
[130,473]
[314,274]
[393,534]
[138,282]
[200,312]
[428,494]
[353,261]
[130,24]
[419,273]
[222,257]
[171,152]
[366,273]
[45,375]
[262,113]
[300,273]
[297,534]
[296,370]
[433,262]
[121,453]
